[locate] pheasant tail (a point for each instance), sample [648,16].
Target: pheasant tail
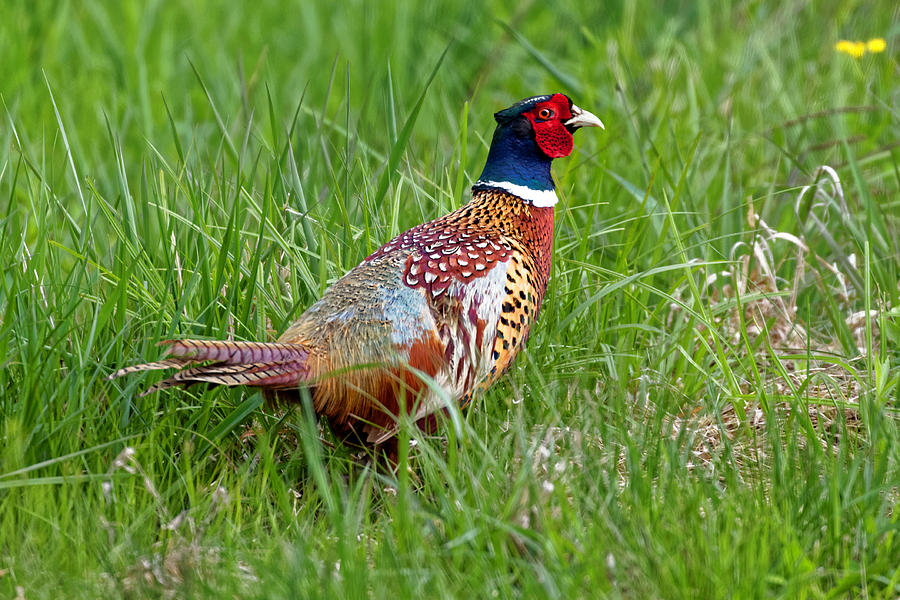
[270,365]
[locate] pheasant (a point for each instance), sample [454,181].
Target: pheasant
[438,312]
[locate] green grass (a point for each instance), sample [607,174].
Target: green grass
[190,168]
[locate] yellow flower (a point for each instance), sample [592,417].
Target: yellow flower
[843,46]
[857,49]
[876,45]
[854,49]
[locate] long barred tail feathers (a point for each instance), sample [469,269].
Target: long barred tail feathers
[271,365]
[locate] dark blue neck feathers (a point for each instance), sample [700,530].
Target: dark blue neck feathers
[514,157]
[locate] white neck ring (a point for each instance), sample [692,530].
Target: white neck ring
[538,198]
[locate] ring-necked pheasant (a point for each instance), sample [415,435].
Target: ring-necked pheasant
[448,303]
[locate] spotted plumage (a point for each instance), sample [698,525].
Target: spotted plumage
[435,315]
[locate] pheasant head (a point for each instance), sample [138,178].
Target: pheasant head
[529,135]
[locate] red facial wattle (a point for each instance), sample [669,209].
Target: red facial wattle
[547,119]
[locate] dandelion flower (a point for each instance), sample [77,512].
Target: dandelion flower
[854,49]
[876,45]
[844,46]
[858,49]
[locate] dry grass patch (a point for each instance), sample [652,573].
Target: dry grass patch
[802,372]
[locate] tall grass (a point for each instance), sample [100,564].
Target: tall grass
[707,406]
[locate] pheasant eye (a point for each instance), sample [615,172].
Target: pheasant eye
[545,113]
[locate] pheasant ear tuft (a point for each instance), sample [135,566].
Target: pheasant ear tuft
[519,108]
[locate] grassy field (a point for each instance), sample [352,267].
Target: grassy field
[708,406]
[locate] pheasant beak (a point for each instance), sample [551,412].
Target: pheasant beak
[582,118]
